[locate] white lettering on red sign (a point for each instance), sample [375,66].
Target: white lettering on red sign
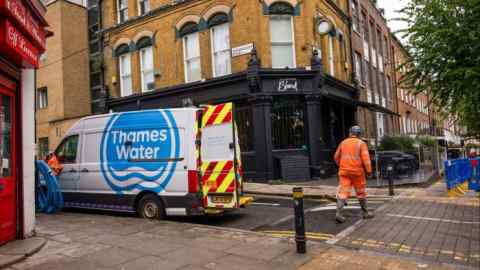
[24,17]
[21,45]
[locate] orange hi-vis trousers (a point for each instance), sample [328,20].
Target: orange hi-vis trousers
[347,180]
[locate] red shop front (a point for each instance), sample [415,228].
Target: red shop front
[22,41]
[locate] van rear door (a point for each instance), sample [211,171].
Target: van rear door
[218,158]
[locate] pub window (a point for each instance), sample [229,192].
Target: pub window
[122,11]
[220,39]
[355,22]
[146,63]
[288,126]
[125,69]
[191,52]
[243,119]
[143,7]
[42,98]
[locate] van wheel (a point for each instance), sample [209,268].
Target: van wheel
[151,207]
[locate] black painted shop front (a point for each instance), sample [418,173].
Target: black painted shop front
[281,114]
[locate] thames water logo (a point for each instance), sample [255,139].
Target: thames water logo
[140,151]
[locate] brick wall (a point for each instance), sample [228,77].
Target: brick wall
[249,25]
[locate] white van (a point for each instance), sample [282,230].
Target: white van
[154,162]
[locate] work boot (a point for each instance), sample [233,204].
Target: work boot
[365,213]
[339,217]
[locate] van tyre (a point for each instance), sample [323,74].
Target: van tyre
[151,207]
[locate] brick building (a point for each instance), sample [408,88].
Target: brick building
[414,109]
[62,80]
[285,64]
[373,69]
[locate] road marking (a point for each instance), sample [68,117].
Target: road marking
[435,219]
[344,233]
[309,235]
[331,207]
[267,204]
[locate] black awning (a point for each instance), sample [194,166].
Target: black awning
[375,107]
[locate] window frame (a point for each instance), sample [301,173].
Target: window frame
[331,55]
[214,52]
[283,43]
[42,98]
[185,60]
[64,142]
[122,75]
[120,10]
[143,71]
[139,6]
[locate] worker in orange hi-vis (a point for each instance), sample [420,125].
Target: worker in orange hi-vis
[54,164]
[353,160]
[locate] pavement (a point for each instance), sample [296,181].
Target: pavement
[419,229]
[86,241]
[16,251]
[425,225]
[310,190]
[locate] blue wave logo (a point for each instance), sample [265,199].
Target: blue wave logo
[140,151]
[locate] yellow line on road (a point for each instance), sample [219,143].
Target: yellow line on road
[309,235]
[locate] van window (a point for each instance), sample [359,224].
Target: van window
[67,151]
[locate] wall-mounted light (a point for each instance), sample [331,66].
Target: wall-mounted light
[324,26]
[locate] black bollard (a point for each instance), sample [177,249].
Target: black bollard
[391,192]
[300,238]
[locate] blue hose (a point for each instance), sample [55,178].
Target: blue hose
[49,198]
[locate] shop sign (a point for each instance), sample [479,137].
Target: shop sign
[16,45]
[24,19]
[242,50]
[285,85]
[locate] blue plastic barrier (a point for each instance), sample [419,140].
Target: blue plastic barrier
[49,198]
[459,171]
[474,183]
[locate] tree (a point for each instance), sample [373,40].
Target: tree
[443,39]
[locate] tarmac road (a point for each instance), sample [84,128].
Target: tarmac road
[274,216]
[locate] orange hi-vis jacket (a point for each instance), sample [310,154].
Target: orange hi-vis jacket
[352,157]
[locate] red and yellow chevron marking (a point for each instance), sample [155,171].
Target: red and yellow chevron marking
[217,114]
[218,177]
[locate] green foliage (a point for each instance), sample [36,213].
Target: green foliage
[401,143]
[444,43]
[427,141]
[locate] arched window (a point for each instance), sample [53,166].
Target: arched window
[282,37]
[125,69]
[191,52]
[144,45]
[220,42]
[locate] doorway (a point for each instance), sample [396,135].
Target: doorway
[8,180]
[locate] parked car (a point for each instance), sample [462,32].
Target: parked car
[404,163]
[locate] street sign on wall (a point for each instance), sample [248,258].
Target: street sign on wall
[242,50]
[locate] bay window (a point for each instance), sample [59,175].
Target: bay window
[282,41]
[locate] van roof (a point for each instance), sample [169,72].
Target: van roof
[131,112]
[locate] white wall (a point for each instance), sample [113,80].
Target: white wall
[28,151]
